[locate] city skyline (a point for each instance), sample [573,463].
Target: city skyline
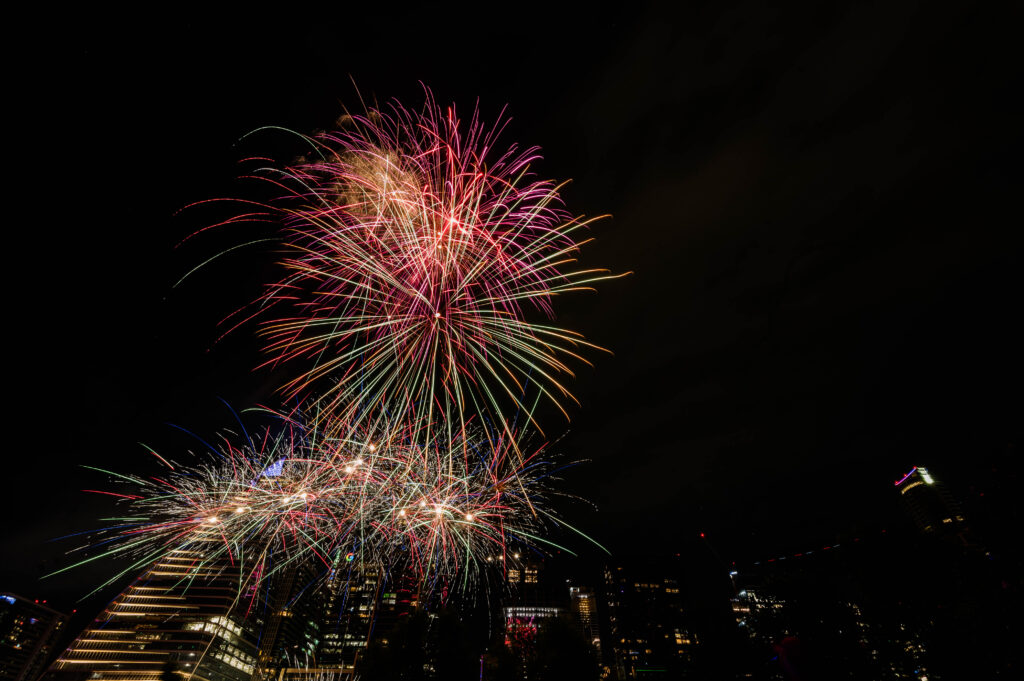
[888,603]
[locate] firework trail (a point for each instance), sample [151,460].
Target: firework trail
[419,253]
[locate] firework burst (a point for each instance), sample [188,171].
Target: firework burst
[389,498]
[414,314]
[419,256]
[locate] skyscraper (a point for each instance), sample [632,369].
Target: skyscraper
[295,598]
[532,598]
[353,595]
[28,632]
[182,616]
[584,609]
[932,507]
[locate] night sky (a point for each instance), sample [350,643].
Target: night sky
[818,205]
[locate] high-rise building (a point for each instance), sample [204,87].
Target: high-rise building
[182,617]
[295,598]
[760,614]
[932,507]
[648,633]
[321,625]
[524,581]
[531,598]
[584,609]
[28,632]
[353,594]
[522,622]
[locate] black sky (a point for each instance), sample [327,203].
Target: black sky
[818,202]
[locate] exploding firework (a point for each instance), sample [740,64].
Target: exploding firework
[414,313]
[239,507]
[442,509]
[419,257]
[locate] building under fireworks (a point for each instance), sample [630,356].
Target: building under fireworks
[183,616]
[353,597]
[292,632]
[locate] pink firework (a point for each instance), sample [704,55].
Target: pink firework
[422,269]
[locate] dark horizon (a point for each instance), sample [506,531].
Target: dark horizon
[816,205]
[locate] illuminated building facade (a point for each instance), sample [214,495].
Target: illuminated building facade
[522,623]
[181,618]
[323,626]
[28,632]
[760,615]
[319,627]
[531,600]
[931,505]
[523,581]
[583,603]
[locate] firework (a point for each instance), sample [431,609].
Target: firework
[420,258]
[439,508]
[239,507]
[415,314]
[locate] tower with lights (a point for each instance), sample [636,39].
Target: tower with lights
[933,508]
[28,632]
[182,618]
